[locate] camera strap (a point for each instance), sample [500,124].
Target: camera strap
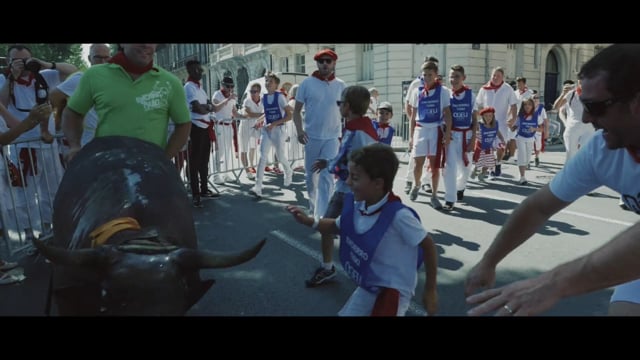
[40,84]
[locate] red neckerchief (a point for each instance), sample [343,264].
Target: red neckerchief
[128,66]
[383,126]
[225,92]
[490,86]
[193,81]
[363,124]
[27,82]
[316,74]
[390,198]
[523,91]
[460,91]
[426,89]
[284,92]
[635,153]
[579,90]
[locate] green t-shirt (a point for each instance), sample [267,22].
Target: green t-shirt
[140,108]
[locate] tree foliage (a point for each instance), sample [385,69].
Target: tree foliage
[69,53]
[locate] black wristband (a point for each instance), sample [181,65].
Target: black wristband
[53,65]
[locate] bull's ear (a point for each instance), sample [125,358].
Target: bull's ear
[206,259]
[60,256]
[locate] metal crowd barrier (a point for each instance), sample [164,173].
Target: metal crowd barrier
[27,192]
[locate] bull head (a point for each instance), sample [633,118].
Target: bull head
[139,280]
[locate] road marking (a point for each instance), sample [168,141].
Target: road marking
[569,212]
[414,308]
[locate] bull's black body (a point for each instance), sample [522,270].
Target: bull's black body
[153,270]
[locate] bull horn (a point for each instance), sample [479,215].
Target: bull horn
[60,256]
[206,259]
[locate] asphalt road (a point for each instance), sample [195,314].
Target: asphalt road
[272,284]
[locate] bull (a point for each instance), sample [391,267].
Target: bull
[124,240]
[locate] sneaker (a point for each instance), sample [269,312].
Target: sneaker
[448,206]
[427,188]
[197,203]
[506,156]
[536,161]
[436,203]
[498,171]
[460,195]
[482,177]
[320,276]
[622,205]
[523,181]
[299,168]
[7,265]
[267,169]
[255,192]
[414,194]
[474,174]
[408,187]
[252,170]
[209,194]
[218,180]
[251,176]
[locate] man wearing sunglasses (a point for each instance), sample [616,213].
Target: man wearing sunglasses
[320,94]
[576,133]
[611,99]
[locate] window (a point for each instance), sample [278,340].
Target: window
[365,60]
[300,64]
[284,64]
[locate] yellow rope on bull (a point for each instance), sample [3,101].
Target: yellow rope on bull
[102,233]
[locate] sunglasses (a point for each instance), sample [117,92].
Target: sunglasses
[229,86]
[325,61]
[599,108]
[255,91]
[339,103]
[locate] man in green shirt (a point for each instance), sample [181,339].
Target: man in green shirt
[132,98]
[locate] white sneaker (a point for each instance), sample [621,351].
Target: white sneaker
[255,192]
[523,181]
[218,180]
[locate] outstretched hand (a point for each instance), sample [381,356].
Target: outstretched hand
[299,215]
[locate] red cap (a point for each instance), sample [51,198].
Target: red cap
[487,109]
[326,52]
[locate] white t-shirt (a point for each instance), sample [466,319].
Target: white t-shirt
[500,99]
[391,263]
[195,92]
[226,113]
[596,165]
[322,119]
[90,123]
[25,97]
[522,97]
[573,108]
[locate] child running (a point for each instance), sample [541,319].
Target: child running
[382,242]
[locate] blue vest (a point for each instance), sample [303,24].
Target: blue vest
[272,111]
[429,106]
[461,111]
[385,140]
[487,135]
[525,125]
[357,250]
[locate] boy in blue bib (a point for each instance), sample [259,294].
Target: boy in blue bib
[382,242]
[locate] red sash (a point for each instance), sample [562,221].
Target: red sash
[212,134]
